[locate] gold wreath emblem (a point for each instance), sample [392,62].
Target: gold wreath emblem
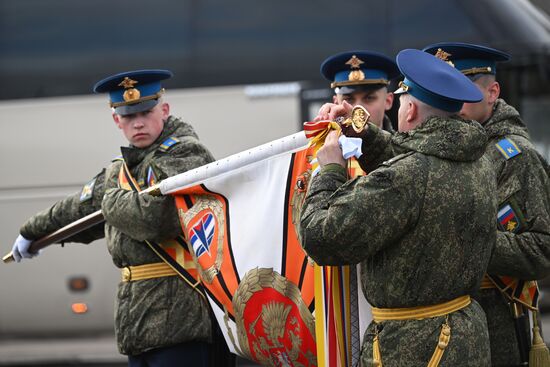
[275,319]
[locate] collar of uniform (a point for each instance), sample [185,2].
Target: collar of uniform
[505,120]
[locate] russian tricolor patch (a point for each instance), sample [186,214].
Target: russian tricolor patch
[508,219]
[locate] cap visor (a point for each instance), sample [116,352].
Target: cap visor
[135,108]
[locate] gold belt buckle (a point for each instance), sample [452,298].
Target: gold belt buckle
[126,274]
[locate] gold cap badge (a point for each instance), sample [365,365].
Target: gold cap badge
[127,83]
[355,74]
[444,56]
[131,93]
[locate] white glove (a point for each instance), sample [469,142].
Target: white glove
[20,249]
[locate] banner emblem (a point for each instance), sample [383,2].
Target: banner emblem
[274,326]
[202,234]
[206,230]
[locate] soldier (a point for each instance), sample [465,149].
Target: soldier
[361,78]
[522,249]
[160,320]
[417,224]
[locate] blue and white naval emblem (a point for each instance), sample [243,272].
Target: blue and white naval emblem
[203,234]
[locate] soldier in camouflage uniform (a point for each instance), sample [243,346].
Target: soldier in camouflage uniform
[161,320]
[361,78]
[522,249]
[417,224]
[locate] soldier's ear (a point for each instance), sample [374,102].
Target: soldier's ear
[116,119]
[493,92]
[165,110]
[389,101]
[412,112]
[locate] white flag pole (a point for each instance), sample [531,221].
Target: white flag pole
[195,176]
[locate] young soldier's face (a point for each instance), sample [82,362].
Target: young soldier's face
[377,102]
[143,128]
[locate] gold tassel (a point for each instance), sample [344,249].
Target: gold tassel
[539,356]
[376,355]
[444,338]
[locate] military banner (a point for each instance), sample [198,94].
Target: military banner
[239,222]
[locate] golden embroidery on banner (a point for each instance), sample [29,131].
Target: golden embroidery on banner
[275,333]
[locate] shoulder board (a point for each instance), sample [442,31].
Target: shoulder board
[117,158]
[508,148]
[399,157]
[168,143]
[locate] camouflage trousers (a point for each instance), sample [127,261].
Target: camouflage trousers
[502,333]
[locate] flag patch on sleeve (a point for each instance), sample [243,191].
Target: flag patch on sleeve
[508,219]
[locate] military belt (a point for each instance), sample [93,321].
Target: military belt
[420,312]
[147,271]
[486,283]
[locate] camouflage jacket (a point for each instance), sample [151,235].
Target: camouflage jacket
[419,225]
[387,125]
[522,248]
[149,313]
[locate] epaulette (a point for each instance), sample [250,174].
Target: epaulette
[508,148]
[399,157]
[168,143]
[117,158]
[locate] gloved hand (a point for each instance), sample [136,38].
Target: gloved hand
[20,249]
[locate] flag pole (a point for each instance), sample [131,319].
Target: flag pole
[178,182]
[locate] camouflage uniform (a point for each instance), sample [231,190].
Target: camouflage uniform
[522,183]
[387,125]
[150,313]
[419,225]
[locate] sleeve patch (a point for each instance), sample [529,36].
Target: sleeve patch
[87,191]
[508,148]
[508,220]
[168,143]
[151,177]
